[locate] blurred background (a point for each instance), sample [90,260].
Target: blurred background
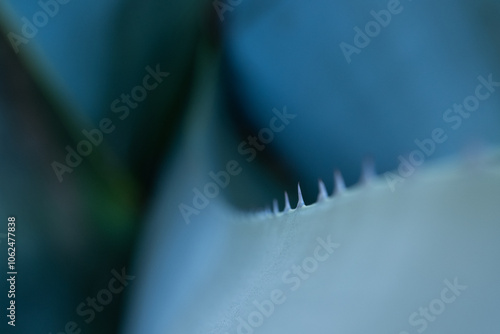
[67,66]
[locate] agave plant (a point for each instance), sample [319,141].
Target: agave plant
[175,135]
[365,258]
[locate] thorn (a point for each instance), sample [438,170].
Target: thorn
[300,203]
[276,208]
[268,211]
[287,203]
[323,194]
[339,183]
[368,172]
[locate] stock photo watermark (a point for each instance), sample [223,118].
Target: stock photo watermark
[221,6]
[363,37]
[30,27]
[292,277]
[221,179]
[11,270]
[87,310]
[453,117]
[421,319]
[120,106]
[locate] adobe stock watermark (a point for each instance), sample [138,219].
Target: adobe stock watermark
[373,28]
[293,277]
[453,117]
[421,319]
[222,178]
[29,28]
[120,106]
[87,310]
[222,6]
